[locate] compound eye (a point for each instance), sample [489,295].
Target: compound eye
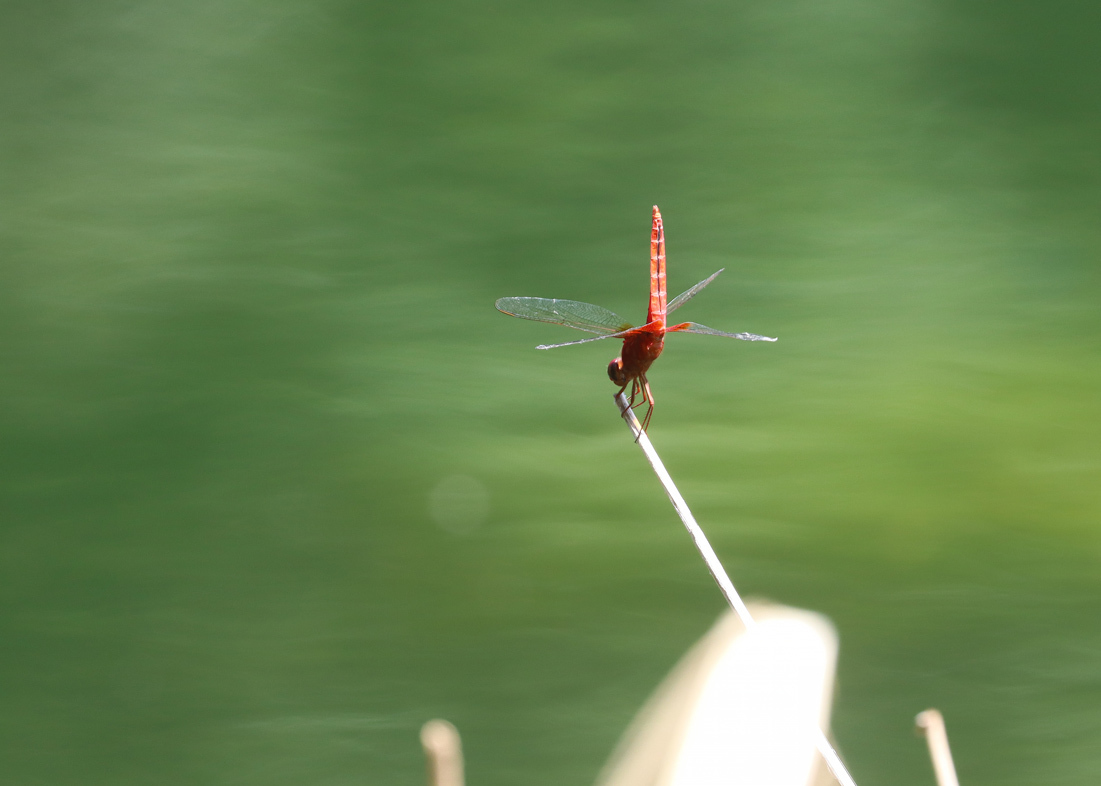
[615,372]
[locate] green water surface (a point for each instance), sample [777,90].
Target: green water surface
[278,484]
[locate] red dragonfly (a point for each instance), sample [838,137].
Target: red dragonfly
[641,345]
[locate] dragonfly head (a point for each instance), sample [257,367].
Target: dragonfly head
[616,372]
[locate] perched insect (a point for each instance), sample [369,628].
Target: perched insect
[641,345]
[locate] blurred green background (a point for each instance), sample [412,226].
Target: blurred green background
[279,484]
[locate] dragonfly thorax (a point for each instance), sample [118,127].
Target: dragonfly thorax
[640,349]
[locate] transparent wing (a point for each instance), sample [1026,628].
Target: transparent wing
[582,341]
[696,327]
[687,295]
[620,334]
[571,313]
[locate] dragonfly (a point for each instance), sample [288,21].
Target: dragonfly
[641,344]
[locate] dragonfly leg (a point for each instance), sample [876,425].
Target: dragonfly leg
[647,396]
[618,392]
[640,385]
